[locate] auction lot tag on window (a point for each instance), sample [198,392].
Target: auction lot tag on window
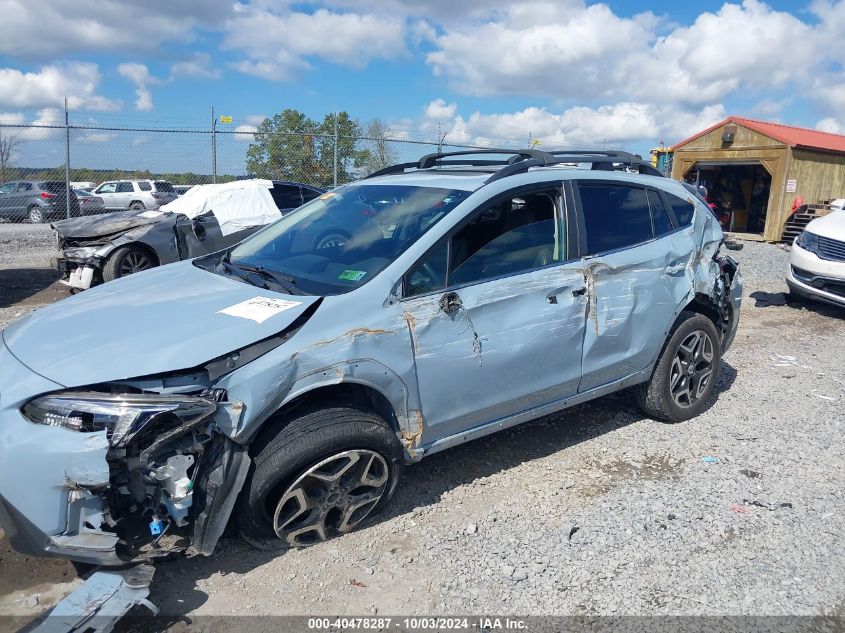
[259,309]
[352,275]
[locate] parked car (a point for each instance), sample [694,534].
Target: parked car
[817,260]
[36,200]
[181,190]
[89,204]
[206,219]
[286,382]
[135,195]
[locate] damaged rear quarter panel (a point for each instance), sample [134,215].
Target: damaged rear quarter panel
[637,293]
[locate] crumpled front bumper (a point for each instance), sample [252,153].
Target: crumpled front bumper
[42,470]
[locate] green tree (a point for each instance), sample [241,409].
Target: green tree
[291,146]
[284,149]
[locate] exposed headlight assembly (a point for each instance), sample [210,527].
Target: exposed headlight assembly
[80,252]
[125,417]
[808,241]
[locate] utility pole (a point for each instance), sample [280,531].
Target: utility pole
[67,162]
[335,148]
[213,146]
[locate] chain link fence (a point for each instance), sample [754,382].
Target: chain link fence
[36,161]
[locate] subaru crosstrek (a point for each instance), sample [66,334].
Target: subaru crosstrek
[284,382]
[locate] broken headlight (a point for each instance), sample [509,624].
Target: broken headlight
[124,416]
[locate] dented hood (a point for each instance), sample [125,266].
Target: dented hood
[161,320]
[109,224]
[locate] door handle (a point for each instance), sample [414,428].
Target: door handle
[450,302]
[576,292]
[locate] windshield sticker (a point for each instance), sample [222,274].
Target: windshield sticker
[259,309]
[352,275]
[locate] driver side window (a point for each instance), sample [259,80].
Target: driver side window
[516,234]
[108,187]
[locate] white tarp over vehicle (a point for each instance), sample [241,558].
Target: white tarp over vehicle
[236,205]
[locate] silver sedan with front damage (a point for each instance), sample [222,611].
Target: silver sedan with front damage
[208,218]
[286,384]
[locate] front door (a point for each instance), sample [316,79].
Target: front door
[108,192]
[496,312]
[635,257]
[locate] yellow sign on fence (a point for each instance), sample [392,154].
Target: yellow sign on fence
[225,119]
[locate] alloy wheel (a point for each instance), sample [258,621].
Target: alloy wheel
[692,369]
[134,262]
[36,215]
[331,498]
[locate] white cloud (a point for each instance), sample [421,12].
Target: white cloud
[139,75]
[572,51]
[438,109]
[615,125]
[51,84]
[45,125]
[831,125]
[277,45]
[246,130]
[199,65]
[55,28]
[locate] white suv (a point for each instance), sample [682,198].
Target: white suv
[135,195]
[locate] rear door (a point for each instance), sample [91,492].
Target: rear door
[630,252]
[23,198]
[125,195]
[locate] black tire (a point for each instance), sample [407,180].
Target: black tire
[331,239]
[137,206]
[656,397]
[35,215]
[307,437]
[120,262]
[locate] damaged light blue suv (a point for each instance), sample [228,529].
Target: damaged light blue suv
[284,382]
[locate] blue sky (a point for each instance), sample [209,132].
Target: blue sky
[569,73]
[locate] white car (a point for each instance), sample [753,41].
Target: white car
[817,260]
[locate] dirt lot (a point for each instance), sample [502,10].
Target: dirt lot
[597,510]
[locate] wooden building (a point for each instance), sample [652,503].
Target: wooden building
[757,171]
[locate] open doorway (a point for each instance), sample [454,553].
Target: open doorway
[738,193]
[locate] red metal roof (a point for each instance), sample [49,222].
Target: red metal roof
[788,134]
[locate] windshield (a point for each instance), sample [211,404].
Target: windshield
[345,237]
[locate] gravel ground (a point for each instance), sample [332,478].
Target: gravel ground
[596,510]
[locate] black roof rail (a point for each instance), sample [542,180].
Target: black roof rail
[523,159]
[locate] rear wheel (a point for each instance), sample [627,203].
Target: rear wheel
[320,476]
[36,215]
[686,371]
[137,206]
[127,260]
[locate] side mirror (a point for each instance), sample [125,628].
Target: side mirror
[450,302]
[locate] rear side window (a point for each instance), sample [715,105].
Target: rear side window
[659,217]
[615,216]
[683,209]
[145,186]
[286,196]
[25,186]
[51,186]
[163,185]
[124,187]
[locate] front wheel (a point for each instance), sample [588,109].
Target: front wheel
[686,371]
[127,260]
[320,476]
